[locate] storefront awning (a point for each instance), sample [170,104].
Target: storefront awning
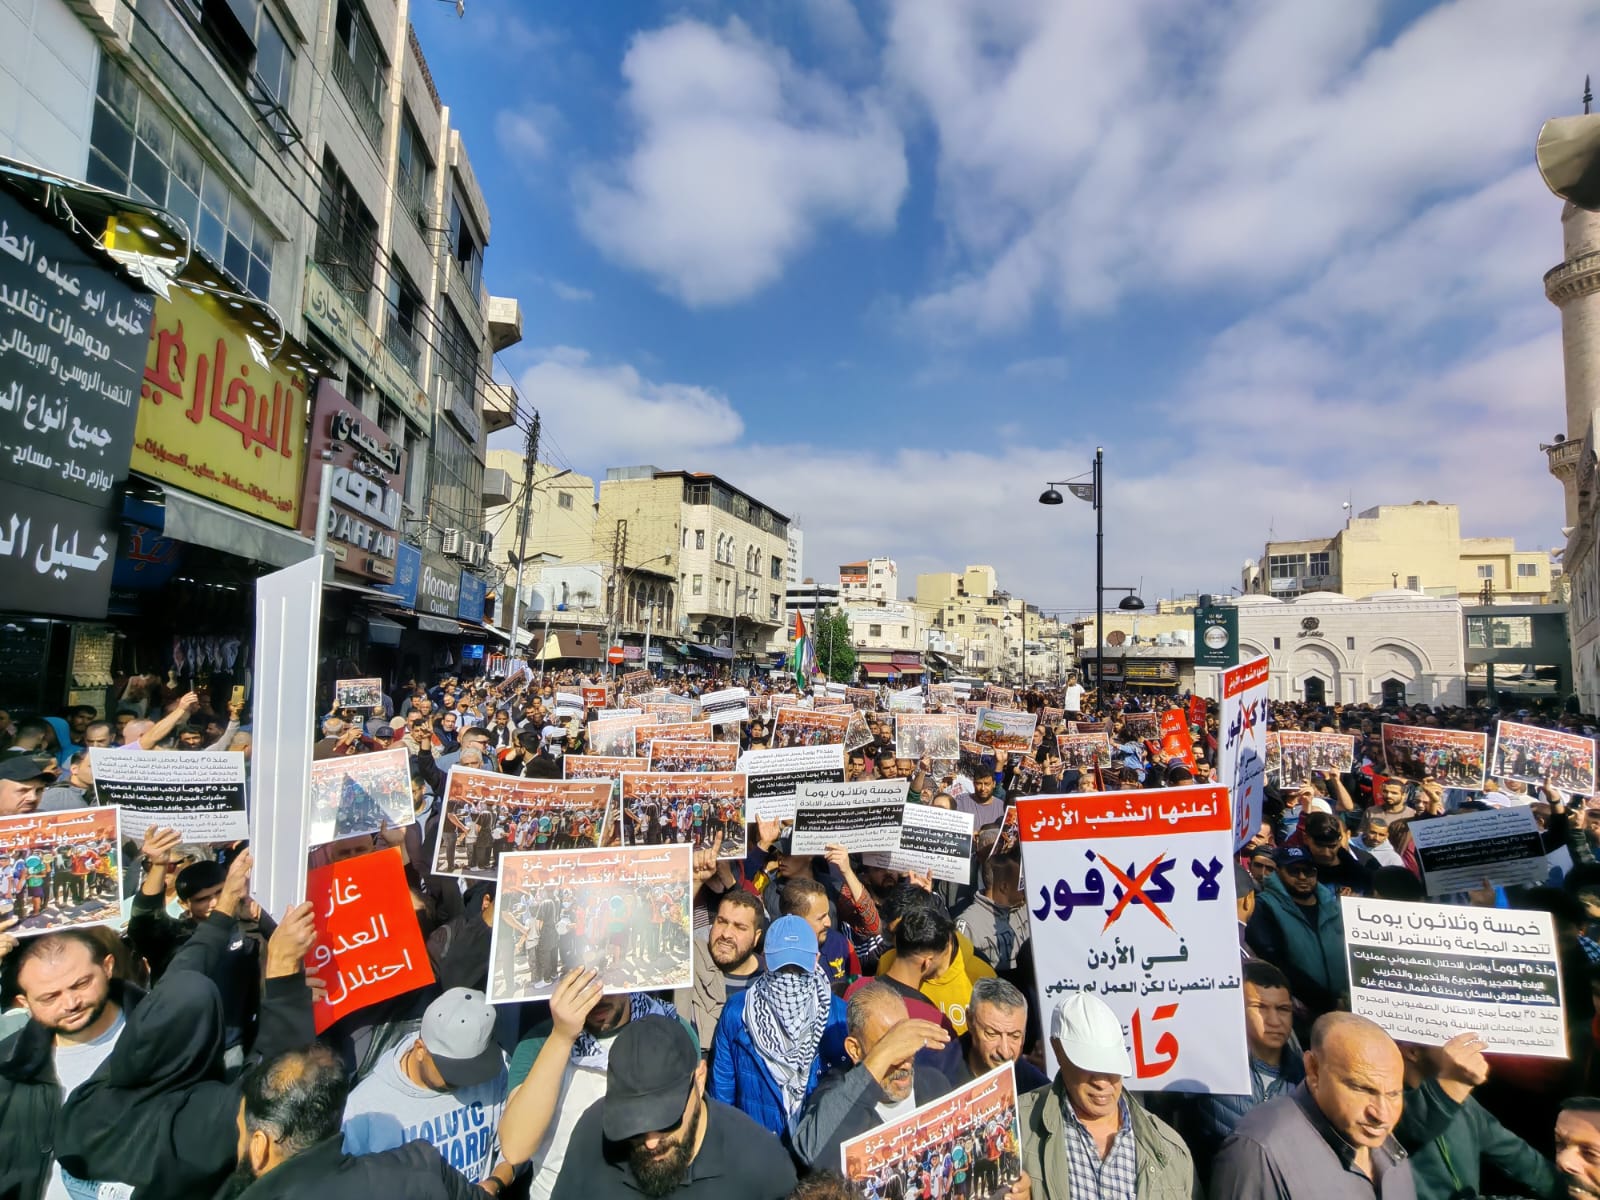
[879,670]
[432,624]
[199,522]
[706,651]
[571,644]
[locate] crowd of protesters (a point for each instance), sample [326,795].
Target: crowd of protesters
[175,1056]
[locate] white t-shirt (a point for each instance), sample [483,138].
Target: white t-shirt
[74,1064]
[580,1088]
[1073,700]
[902,1108]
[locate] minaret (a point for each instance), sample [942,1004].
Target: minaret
[1574,288]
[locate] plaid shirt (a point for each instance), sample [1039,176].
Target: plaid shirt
[1091,1177]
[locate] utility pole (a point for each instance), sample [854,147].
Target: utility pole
[530,461]
[619,556]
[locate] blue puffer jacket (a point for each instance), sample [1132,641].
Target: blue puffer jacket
[740,1077]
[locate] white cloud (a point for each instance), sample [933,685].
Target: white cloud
[1239,150]
[740,158]
[1048,367]
[520,136]
[609,415]
[570,293]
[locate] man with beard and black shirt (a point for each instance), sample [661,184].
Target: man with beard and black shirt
[76,1014]
[290,1144]
[657,1133]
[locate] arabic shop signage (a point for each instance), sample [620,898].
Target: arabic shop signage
[329,311]
[439,587]
[473,595]
[364,501]
[1216,636]
[214,421]
[1161,670]
[56,555]
[72,344]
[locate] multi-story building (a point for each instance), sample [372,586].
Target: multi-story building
[794,568]
[336,235]
[994,634]
[871,579]
[711,553]
[1417,547]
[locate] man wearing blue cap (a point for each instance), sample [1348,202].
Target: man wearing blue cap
[657,1133]
[775,1037]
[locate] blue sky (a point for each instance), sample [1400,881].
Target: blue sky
[891,264]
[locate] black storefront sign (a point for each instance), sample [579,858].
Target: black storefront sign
[56,555]
[73,338]
[439,587]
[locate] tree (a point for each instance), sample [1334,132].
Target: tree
[836,657]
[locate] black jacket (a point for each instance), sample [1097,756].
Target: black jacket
[843,1105]
[30,1103]
[158,1113]
[410,1172]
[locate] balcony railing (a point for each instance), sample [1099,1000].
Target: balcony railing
[402,343]
[359,94]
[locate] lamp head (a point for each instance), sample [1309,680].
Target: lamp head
[1130,603]
[1050,496]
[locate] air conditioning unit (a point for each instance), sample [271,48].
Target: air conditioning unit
[480,554]
[453,542]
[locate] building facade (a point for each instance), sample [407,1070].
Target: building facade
[337,236]
[1416,546]
[872,579]
[1398,647]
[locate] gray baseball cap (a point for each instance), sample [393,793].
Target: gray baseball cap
[458,1033]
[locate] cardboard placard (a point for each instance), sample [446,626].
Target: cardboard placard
[487,815]
[360,793]
[369,946]
[358,693]
[200,793]
[773,776]
[659,808]
[60,870]
[861,816]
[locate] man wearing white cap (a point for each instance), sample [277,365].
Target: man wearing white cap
[1083,1136]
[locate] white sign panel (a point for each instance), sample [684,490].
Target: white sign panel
[1458,853]
[1242,757]
[1427,972]
[1130,895]
[861,816]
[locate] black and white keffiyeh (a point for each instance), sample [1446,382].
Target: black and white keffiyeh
[786,1012]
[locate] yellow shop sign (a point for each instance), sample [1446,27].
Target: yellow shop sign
[213,420]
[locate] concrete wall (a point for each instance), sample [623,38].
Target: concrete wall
[48,64]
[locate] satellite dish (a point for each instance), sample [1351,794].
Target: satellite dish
[1116,637]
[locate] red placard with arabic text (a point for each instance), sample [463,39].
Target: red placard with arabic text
[1176,741]
[369,946]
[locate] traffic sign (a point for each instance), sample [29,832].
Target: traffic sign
[615,655]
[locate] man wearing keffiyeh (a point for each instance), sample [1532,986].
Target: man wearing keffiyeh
[775,1037]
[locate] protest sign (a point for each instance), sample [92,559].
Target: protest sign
[60,870]
[1534,755]
[614,736]
[685,806]
[1197,711]
[1457,853]
[1242,757]
[729,706]
[677,731]
[625,913]
[1101,727]
[1176,741]
[936,841]
[1455,757]
[1427,972]
[1006,840]
[594,697]
[600,766]
[635,681]
[941,695]
[1131,895]
[677,754]
[807,727]
[969,1137]
[569,705]
[859,732]
[860,816]
[921,735]
[911,701]
[864,699]
[1000,696]
[1083,751]
[369,946]
[1000,729]
[674,711]
[358,693]
[1141,727]
[360,793]
[1301,753]
[200,793]
[1052,718]
[487,814]
[771,777]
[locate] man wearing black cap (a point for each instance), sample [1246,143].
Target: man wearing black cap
[1298,927]
[656,1133]
[1347,871]
[23,779]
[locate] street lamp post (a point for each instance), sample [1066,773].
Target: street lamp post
[1093,492]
